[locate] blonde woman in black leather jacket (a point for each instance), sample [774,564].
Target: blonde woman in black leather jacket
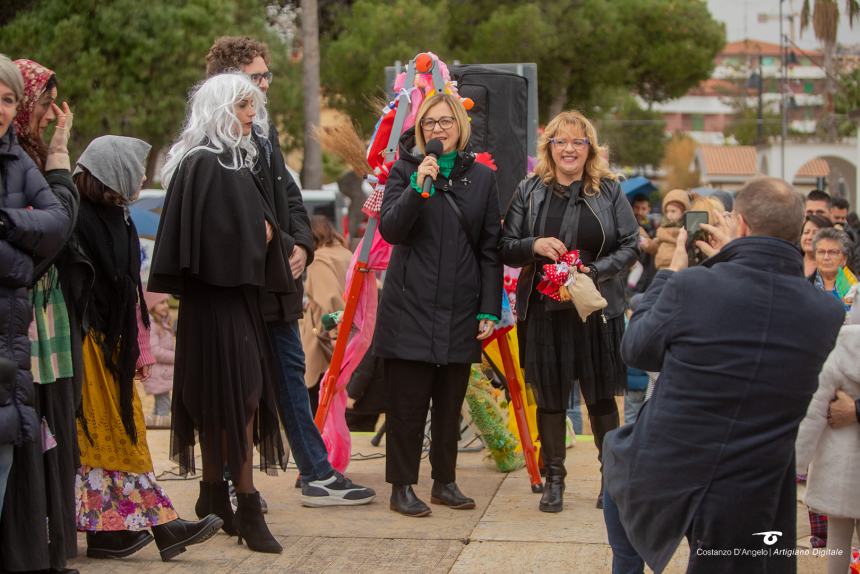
[571,202]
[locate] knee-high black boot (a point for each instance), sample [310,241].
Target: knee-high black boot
[551,426]
[600,425]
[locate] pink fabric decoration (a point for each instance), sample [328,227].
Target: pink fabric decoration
[335,431]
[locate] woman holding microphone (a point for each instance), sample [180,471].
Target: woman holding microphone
[442,295]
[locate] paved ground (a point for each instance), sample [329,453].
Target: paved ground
[504,534]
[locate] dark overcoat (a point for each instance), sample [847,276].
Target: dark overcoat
[437,283]
[37,225]
[295,227]
[739,343]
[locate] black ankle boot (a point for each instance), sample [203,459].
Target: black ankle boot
[449,494]
[552,499]
[404,501]
[551,426]
[172,537]
[600,425]
[252,526]
[215,499]
[119,544]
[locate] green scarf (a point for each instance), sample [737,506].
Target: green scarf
[50,333]
[446,163]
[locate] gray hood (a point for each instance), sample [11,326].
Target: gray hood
[119,162]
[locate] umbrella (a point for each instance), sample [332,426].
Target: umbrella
[636,185]
[146,213]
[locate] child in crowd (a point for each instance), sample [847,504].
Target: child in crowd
[163,344]
[675,203]
[634,398]
[835,469]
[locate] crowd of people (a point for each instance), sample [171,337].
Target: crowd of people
[721,345]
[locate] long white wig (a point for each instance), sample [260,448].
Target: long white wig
[212,124]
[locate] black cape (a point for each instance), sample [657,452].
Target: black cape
[212,230]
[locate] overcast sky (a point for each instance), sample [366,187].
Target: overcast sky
[741,19]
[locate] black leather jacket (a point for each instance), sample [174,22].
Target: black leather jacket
[620,231]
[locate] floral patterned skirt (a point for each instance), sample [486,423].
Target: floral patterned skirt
[116,500]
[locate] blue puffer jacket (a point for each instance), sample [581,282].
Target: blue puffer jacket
[37,225]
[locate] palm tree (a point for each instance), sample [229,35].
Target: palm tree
[312,169]
[825,23]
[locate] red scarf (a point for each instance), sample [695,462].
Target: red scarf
[36,77]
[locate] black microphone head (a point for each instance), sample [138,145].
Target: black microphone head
[434,147]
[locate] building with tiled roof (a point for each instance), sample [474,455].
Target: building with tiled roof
[730,166]
[707,111]
[724,166]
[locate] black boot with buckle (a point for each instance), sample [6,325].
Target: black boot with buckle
[551,426]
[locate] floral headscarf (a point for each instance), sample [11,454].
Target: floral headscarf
[36,77]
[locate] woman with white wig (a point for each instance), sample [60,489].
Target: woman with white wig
[215,249]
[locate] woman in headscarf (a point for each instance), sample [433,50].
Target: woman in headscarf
[32,227]
[118,497]
[43,478]
[219,247]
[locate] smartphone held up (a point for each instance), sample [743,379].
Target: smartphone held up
[693,221]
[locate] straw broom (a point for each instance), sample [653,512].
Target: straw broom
[342,140]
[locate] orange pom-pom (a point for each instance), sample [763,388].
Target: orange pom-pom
[468,103]
[423,62]
[425,194]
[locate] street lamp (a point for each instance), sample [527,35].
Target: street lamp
[782,106]
[756,80]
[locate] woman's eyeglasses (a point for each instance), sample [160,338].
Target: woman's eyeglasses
[828,253]
[258,78]
[429,124]
[577,143]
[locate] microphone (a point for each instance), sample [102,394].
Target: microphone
[434,148]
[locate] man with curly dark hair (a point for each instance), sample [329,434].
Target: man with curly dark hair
[235,53]
[321,484]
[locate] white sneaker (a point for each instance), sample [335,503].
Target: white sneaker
[336,490]
[234,502]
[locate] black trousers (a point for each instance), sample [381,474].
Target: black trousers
[410,386]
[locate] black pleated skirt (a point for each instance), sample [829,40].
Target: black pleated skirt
[224,378]
[557,348]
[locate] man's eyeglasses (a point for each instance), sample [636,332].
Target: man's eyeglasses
[446,123]
[258,78]
[577,143]
[828,253]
